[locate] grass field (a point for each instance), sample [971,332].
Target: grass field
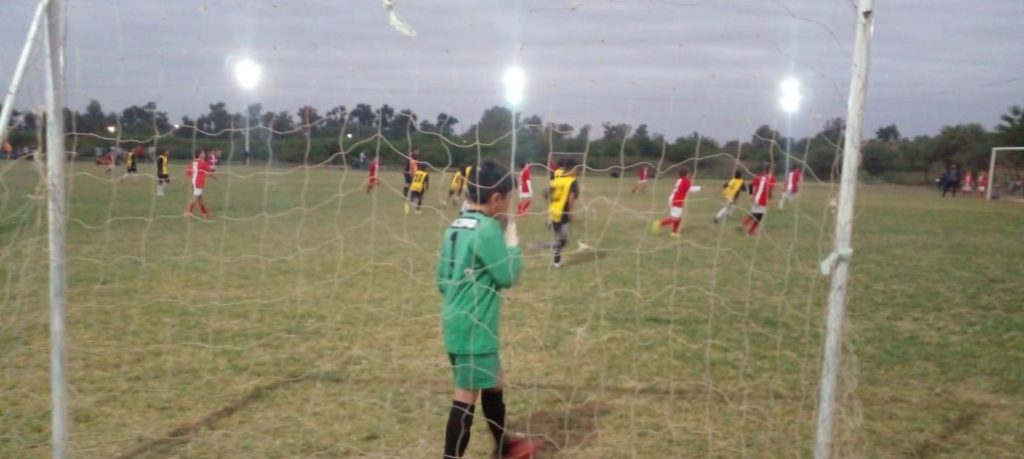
[303,321]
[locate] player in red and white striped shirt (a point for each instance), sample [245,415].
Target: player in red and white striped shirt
[792,186]
[761,189]
[676,203]
[641,179]
[197,172]
[525,188]
[374,179]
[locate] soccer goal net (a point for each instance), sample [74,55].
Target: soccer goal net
[1005,174]
[258,193]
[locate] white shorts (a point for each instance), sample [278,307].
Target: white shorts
[197,191]
[675,212]
[757,209]
[528,193]
[981,188]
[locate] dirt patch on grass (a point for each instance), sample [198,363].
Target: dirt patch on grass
[956,426]
[572,427]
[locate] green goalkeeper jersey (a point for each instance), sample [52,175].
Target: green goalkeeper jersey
[474,265]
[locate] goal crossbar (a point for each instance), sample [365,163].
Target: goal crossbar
[992,168]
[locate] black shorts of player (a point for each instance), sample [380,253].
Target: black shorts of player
[560,228]
[133,170]
[408,177]
[416,196]
[164,179]
[758,216]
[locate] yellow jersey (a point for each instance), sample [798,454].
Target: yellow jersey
[419,181]
[457,182]
[732,189]
[562,188]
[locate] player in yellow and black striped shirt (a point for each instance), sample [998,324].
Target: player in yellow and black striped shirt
[564,191]
[731,192]
[418,186]
[163,176]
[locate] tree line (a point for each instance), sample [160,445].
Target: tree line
[313,137]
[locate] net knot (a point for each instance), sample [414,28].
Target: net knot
[830,261]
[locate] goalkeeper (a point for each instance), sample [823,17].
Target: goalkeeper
[475,263]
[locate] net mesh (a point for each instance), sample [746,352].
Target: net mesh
[302,318]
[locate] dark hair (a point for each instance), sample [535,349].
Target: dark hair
[767,167]
[683,171]
[486,180]
[738,174]
[568,164]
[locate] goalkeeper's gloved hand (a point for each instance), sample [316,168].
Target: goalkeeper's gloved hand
[511,235]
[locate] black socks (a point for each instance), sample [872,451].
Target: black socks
[494,410]
[456,435]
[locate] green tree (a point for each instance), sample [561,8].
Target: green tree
[888,133]
[1010,131]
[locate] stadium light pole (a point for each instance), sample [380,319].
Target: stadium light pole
[248,74]
[515,84]
[789,101]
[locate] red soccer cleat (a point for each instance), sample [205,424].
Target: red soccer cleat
[520,448]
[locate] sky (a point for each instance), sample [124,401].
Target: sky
[712,66]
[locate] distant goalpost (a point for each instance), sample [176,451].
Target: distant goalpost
[992,168]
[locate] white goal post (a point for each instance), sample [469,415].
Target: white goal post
[992,168]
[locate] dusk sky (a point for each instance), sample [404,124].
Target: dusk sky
[676,65]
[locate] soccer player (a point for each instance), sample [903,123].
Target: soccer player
[761,189]
[410,170]
[731,193]
[198,172]
[213,158]
[468,179]
[525,189]
[419,185]
[951,180]
[792,186]
[374,180]
[676,203]
[455,187]
[641,179]
[968,183]
[162,172]
[982,184]
[476,262]
[131,164]
[564,191]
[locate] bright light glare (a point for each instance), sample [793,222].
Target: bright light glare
[111,129]
[349,135]
[515,84]
[248,73]
[176,125]
[790,98]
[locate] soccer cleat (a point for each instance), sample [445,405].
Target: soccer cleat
[556,265]
[188,214]
[655,227]
[521,448]
[675,234]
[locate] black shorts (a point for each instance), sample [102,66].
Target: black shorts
[132,169]
[415,195]
[561,229]
[164,179]
[408,177]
